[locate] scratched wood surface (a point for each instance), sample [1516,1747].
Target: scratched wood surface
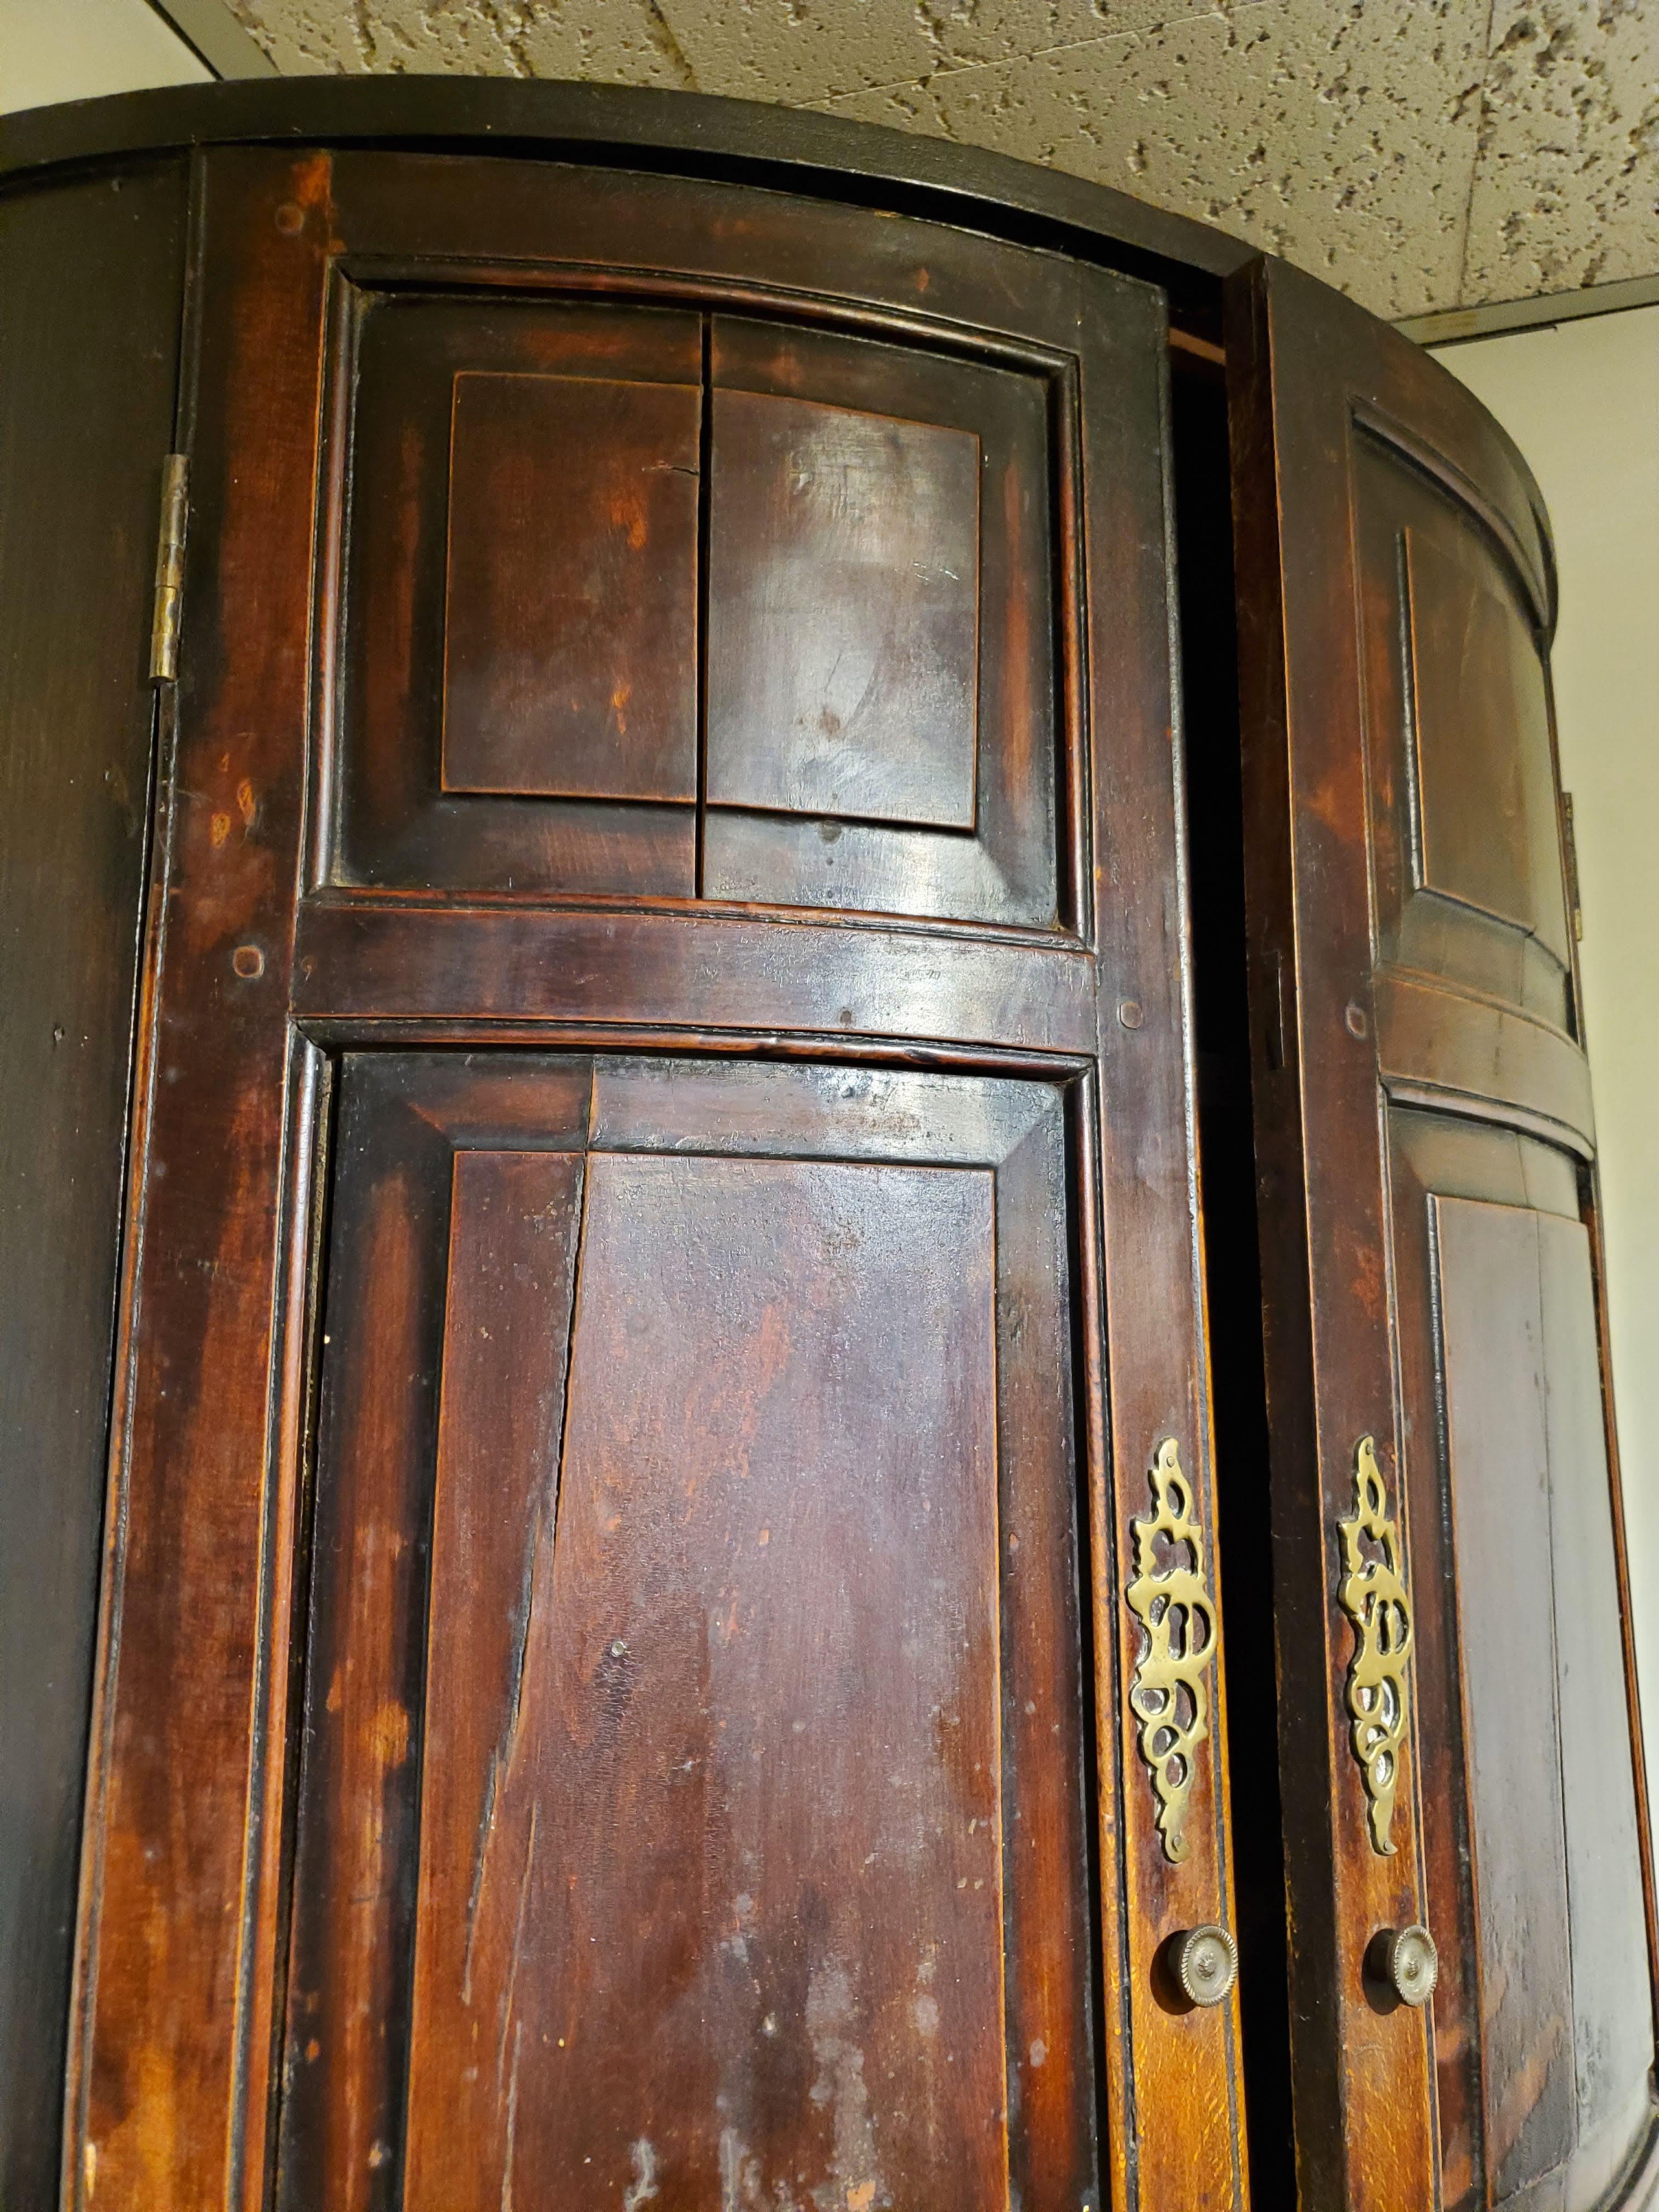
[486,619]
[1405,891]
[179,1916]
[570,606]
[843,640]
[886,712]
[88,370]
[696,1612]
[312,1658]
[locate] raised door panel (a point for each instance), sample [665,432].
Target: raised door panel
[883,694]
[1543,2015]
[516,664]
[657,567]
[693,1804]
[570,609]
[842,666]
[1474,990]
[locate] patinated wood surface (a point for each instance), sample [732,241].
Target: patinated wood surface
[726,1731]
[91,271]
[179,1898]
[505,703]
[570,603]
[878,1284]
[889,512]
[1408,937]
[1533,1855]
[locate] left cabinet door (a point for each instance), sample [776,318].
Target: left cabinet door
[692,1805]
[428,798]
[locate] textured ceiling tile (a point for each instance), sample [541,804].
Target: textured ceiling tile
[1372,141]
[796,51]
[801,52]
[1343,137]
[613,41]
[303,37]
[1566,187]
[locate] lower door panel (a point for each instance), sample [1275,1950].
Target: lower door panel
[1542,2016]
[692,1808]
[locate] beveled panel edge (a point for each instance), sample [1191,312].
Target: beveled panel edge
[1438,1047]
[413,963]
[1528,563]
[673,1101]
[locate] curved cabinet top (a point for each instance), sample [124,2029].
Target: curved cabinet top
[691,133]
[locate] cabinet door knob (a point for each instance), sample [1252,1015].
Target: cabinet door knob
[1406,1959]
[1205,1964]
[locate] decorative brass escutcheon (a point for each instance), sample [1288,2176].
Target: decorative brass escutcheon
[1169,1696]
[1374,1597]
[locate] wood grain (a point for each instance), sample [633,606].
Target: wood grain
[179,1899]
[1403,866]
[1499,1478]
[844,639]
[1465,842]
[952,803]
[570,617]
[1485,797]
[751,1833]
[91,274]
[1361,2075]
[472,537]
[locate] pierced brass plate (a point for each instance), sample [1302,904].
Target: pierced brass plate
[1374,1597]
[1169,1696]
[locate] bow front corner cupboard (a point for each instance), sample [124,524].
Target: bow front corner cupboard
[801,1345]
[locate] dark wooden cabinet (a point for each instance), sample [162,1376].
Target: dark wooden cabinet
[791,1094]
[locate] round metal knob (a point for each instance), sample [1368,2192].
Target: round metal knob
[1406,1961]
[1205,1964]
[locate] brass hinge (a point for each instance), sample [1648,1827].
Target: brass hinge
[1569,846]
[169,569]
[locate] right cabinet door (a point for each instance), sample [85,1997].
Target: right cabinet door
[1467,1846]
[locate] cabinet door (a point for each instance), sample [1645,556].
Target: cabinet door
[693,1808]
[1457,1725]
[496,728]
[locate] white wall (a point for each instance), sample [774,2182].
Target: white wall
[75,49]
[1582,402]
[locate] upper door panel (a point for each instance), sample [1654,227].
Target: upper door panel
[883,727]
[518,666]
[714,579]
[1475,990]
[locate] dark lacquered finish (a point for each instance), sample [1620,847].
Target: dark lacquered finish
[685,1506]
[79,480]
[843,640]
[1430,1286]
[509,708]
[397,1884]
[570,599]
[664,1249]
